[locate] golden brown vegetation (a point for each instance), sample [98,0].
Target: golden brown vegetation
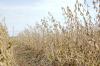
[77,43]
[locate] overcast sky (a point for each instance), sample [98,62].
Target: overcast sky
[19,13]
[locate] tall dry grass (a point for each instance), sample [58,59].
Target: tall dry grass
[75,43]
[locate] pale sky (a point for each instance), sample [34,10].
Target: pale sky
[19,13]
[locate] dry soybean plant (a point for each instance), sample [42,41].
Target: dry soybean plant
[50,43]
[5,57]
